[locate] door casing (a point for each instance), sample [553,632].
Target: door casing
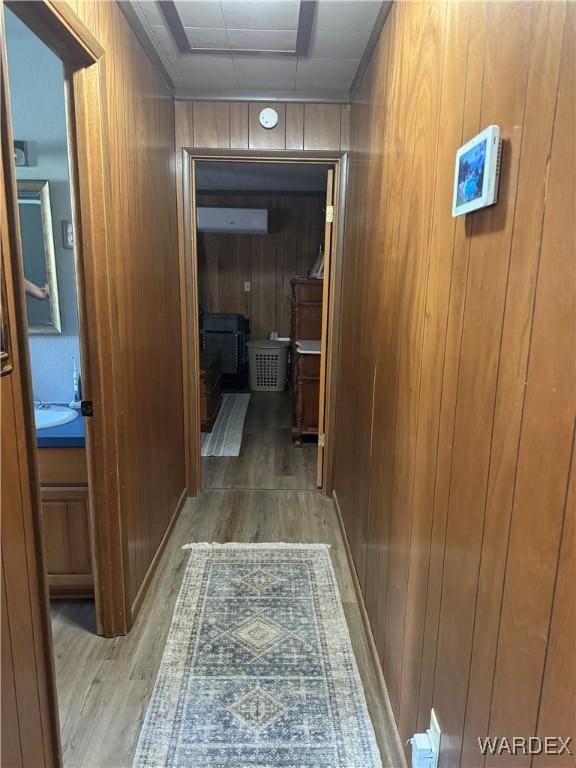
[85,74]
[190,306]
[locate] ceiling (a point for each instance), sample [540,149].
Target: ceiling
[261,52]
[260,177]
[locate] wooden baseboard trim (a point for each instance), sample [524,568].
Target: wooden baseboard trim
[141,594]
[397,748]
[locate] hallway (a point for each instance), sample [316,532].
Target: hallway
[104,685]
[268,459]
[423,286]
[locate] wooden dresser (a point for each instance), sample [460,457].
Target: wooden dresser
[210,389]
[306,325]
[66,521]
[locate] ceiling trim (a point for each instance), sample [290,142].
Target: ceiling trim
[142,36]
[280,97]
[370,46]
[305,24]
[306,14]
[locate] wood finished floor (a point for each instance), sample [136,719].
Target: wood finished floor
[104,685]
[268,459]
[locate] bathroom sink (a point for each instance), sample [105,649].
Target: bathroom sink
[53,416]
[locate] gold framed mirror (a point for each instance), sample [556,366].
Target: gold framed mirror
[39,257]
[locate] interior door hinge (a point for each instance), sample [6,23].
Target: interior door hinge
[321,440]
[329,214]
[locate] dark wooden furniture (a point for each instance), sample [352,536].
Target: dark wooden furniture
[66,521]
[306,325]
[210,389]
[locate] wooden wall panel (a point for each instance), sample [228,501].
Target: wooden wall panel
[268,261]
[454,442]
[295,126]
[322,125]
[144,255]
[234,125]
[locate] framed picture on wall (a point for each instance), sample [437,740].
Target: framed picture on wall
[477,172]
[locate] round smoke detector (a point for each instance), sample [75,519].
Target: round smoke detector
[268,118]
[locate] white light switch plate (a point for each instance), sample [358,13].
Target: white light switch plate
[247,287]
[434,733]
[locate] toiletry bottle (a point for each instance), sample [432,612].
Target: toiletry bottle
[77,386]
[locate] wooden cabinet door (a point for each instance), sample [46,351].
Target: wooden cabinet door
[66,527]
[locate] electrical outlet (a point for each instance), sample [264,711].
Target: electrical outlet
[247,286]
[434,734]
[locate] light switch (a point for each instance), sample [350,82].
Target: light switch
[247,286]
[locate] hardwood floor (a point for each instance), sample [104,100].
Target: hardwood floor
[104,685]
[268,458]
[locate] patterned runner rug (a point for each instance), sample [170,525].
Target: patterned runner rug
[258,669]
[226,436]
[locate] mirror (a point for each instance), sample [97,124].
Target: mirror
[38,253]
[5,351]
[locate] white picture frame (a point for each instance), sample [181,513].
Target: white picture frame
[476,172]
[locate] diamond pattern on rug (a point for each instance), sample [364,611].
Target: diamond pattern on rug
[258,634]
[258,668]
[258,709]
[260,580]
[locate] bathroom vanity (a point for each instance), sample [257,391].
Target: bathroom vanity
[65,510]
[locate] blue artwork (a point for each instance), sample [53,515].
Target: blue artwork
[471,173]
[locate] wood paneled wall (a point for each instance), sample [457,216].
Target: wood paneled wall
[455,413]
[267,261]
[234,125]
[144,255]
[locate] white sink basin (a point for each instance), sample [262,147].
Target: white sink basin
[53,416]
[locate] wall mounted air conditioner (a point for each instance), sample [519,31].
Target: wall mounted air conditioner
[248,221]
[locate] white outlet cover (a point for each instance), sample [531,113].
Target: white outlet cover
[268,118]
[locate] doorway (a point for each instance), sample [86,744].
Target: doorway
[56,207]
[264,243]
[37,86]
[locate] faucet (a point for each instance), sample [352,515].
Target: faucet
[40,405]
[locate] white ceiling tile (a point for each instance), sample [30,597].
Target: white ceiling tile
[338,45]
[202,178]
[330,74]
[255,177]
[262,72]
[222,176]
[338,41]
[205,71]
[347,15]
[262,40]
[261,14]
[165,43]
[152,13]
[206,38]
[200,13]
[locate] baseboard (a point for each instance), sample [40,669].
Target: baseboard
[142,591]
[397,748]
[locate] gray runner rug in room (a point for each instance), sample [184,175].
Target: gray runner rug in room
[226,436]
[258,669]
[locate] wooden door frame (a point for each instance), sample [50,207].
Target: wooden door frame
[85,68]
[190,304]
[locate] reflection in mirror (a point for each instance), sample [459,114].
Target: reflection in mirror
[42,305]
[5,351]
